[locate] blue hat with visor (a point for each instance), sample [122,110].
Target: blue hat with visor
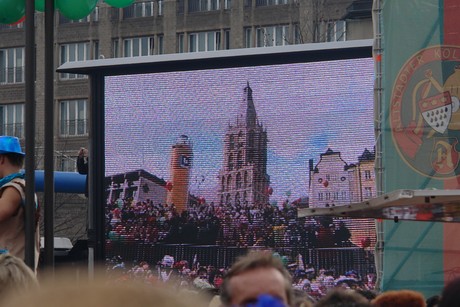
[10,144]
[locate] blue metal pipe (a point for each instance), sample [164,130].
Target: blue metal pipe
[64,182]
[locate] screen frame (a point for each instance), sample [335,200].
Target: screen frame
[97,70]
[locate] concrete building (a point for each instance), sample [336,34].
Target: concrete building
[150,28]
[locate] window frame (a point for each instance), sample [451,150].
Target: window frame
[73,50]
[10,57]
[9,119]
[76,115]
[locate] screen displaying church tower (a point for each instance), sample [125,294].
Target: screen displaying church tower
[243,177]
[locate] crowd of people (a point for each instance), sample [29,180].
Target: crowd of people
[242,225]
[180,274]
[257,279]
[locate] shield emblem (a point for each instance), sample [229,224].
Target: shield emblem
[437,111]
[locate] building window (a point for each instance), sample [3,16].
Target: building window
[272,36]
[12,65]
[328,195]
[227,39]
[298,39]
[161,46]
[368,192]
[367,174]
[248,38]
[115,46]
[96,54]
[238,181]
[320,196]
[73,53]
[137,46]
[9,26]
[180,43]
[12,120]
[66,163]
[270,2]
[336,31]
[203,5]
[93,17]
[227,4]
[138,10]
[230,162]
[73,118]
[204,41]
[160,7]
[344,195]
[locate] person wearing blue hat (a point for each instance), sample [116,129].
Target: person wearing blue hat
[12,200]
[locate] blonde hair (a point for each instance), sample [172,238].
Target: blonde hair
[15,276]
[101,292]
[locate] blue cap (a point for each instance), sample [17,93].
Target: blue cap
[10,144]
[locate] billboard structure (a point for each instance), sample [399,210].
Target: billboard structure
[417,86]
[420,135]
[228,141]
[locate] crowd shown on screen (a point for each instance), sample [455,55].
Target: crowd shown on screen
[243,225]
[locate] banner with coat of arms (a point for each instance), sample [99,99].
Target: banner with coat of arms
[421,133]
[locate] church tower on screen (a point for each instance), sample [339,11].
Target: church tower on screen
[243,177]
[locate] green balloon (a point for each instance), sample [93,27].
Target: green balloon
[12,11]
[76,9]
[40,5]
[119,3]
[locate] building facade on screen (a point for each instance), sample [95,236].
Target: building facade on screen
[243,177]
[137,185]
[334,182]
[181,162]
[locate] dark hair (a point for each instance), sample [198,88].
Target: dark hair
[15,159]
[343,298]
[369,294]
[433,301]
[451,294]
[251,261]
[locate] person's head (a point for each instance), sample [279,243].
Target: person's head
[11,155]
[255,274]
[15,276]
[433,301]
[399,298]
[451,294]
[343,298]
[101,293]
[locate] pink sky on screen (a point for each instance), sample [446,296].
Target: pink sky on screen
[305,109]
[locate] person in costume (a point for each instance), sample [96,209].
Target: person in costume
[12,201]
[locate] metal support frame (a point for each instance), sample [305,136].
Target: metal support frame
[30,115]
[378,118]
[49,136]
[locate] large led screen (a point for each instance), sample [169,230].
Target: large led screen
[204,165]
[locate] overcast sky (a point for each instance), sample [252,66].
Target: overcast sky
[305,108]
